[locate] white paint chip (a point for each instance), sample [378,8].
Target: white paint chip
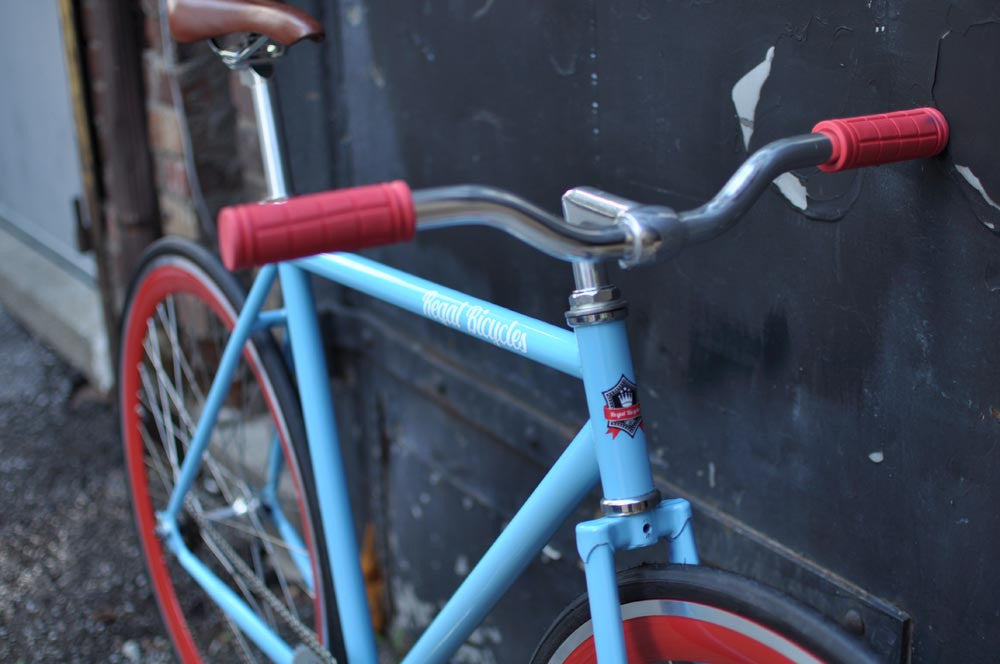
[411,611]
[877,456]
[792,188]
[551,553]
[746,96]
[977,184]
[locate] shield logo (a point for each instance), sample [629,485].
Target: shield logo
[622,410]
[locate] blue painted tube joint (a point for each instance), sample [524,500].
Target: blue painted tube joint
[599,539]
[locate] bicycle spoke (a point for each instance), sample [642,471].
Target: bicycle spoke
[248,655]
[181,356]
[168,387]
[167,311]
[154,342]
[258,568]
[257,534]
[268,541]
[155,412]
[231,570]
[169,432]
[161,471]
[208,462]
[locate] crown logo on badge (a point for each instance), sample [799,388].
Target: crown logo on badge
[626,397]
[622,411]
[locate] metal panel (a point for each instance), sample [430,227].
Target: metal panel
[39,163]
[819,380]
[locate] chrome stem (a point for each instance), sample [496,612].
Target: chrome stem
[590,276]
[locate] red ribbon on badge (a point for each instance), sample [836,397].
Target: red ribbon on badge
[622,414]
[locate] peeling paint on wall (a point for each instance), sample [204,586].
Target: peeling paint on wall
[469,655]
[967,56]
[479,650]
[977,184]
[746,96]
[971,178]
[792,188]
[411,612]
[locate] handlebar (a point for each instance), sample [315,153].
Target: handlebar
[597,226]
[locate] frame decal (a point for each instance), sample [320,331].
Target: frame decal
[622,411]
[477,321]
[534,339]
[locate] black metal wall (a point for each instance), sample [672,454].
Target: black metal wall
[820,381]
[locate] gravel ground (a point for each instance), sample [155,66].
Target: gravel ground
[73,587]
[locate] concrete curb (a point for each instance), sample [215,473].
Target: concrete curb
[56,306]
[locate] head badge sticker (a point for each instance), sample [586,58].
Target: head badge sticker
[622,410]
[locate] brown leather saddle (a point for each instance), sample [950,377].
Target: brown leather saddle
[194,20]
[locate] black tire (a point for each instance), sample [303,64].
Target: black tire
[724,606]
[183,299]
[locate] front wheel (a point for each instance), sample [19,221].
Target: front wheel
[683,613]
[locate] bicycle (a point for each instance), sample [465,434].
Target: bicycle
[232,454]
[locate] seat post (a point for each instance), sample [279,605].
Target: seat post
[268,136]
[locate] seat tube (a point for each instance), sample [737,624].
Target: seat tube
[329,472]
[597,315]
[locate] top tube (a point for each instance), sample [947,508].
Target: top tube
[544,343]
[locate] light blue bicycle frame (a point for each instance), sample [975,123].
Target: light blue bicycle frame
[598,354]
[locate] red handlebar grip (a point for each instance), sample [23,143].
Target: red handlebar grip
[340,220]
[868,140]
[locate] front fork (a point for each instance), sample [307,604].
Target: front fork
[597,542]
[635,516]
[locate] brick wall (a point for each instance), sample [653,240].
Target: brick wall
[122,205]
[219,115]
[143,186]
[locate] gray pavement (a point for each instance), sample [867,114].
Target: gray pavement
[72,583]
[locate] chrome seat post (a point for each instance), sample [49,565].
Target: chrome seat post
[267,134]
[252,57]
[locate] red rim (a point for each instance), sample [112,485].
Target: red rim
[657,638]
[160,282]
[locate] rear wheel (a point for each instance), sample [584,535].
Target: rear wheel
[251,515]
[683,613]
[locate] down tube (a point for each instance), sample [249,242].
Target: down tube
[553,500]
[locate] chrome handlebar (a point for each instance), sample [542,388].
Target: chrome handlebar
[466,205]
[600,227]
